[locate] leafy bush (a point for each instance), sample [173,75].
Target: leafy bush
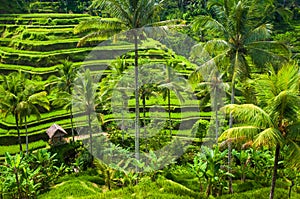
[200,128]
[66,153]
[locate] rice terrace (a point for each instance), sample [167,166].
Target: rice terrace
[149,99]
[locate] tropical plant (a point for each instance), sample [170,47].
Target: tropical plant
[208,164]
[68,74]
[30,103]
[171,82]
[128,15]
[11,88]
[85,99]
[241,37]
[276,124]
[25,176]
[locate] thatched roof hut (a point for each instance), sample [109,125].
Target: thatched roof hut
[56,131]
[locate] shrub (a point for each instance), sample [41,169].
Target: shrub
[199,129]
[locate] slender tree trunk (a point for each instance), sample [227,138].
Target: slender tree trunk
[277,152]
[122,127]
[216,115]
[91,137]
[290,189]
[169,108]
[18,183]
[72,125]
[137,103]
[18,130]
[230,189]
[169,100]
[144,121]
[26,135]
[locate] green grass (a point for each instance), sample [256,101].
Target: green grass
[30,69]
[162,188]
[72,189]
[13,149]
[46,15]
[261,194]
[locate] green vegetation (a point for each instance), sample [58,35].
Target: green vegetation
[148,116]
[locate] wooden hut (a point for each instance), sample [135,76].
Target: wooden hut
[55,133]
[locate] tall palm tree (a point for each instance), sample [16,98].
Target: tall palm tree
[242,37]
[277,123]
[171,83]
[85,98]
[128,15]
[11,90]
[29,105]
[68,73]
[213,89]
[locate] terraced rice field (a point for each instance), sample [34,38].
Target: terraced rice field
[37,43]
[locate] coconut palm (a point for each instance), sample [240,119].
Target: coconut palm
[85,98]
[171,82]
[68,73]
[30,102]
[215,89]
[277,123]
[128,15]
[242,38]
[10,94]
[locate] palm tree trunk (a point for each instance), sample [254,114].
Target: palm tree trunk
[277,152]
[144,121]
[72,126]
[90,129]
[169,109]
[26,135]
[229,143]
[216,115]
[18,130]
[169,100]
[137,103]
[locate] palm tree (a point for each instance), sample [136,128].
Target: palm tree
[128,15]
[213,88]
[172,82]
[85,98]
[277,123]
[68,73]
[242,37]
[10,94]
[29,105]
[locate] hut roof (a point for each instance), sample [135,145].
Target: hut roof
[55,130]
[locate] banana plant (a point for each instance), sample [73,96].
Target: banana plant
[244,159]
[209,164]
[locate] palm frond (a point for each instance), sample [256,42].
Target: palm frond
[269,137]
[248,132]
[293,157]
[285,105]
[261,33]
[293,131]
[249,113]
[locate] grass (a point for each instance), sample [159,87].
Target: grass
[72,189]
[261,194]
[46,15]
[30,69]
[13,149]
[162,188]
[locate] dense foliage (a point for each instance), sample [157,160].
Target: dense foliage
[242,141]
